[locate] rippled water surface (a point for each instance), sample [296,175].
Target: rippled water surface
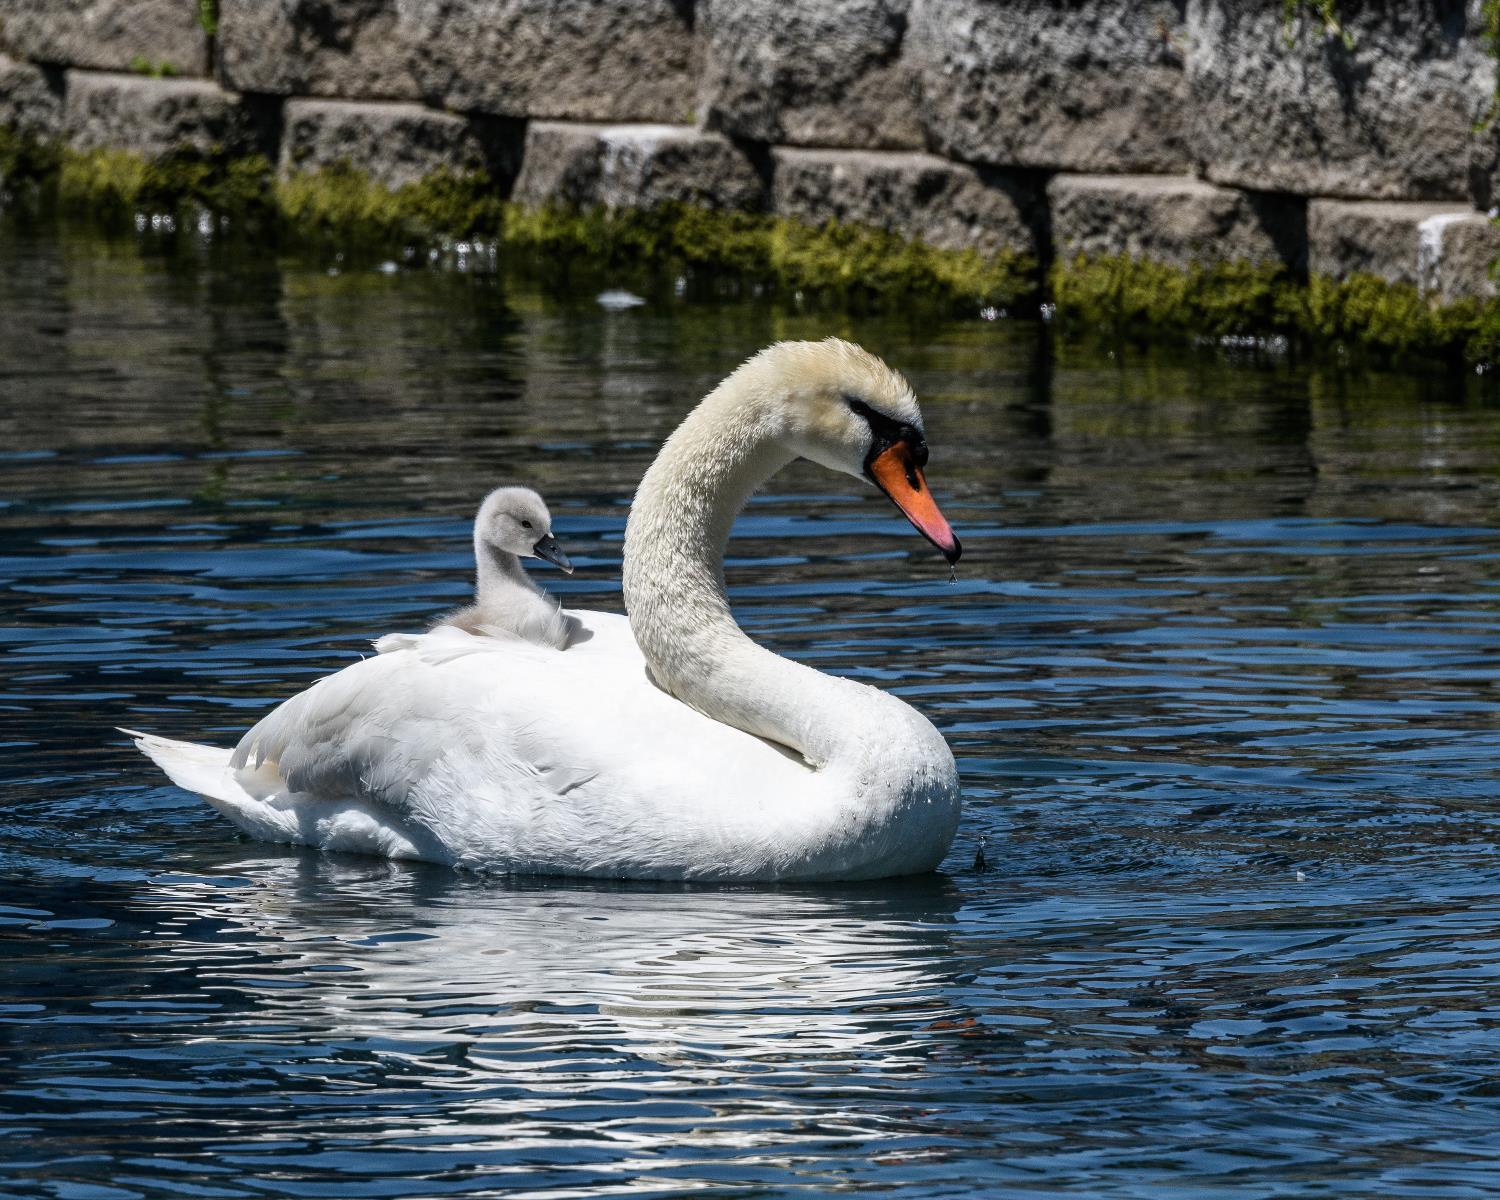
[1219,668]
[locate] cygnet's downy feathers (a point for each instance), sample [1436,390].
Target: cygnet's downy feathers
[513,523]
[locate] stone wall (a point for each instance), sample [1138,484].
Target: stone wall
[1187,132]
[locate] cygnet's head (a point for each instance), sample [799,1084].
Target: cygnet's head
[842,408]
[516,520]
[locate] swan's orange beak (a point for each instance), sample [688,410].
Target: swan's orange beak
[896,473]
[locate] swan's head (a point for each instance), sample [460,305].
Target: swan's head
[516,520]
[843,408]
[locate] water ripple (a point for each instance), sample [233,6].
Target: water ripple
[1218,667]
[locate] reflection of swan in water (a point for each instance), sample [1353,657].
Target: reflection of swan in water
[559,991]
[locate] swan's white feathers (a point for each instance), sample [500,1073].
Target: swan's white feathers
[483,749]
[841,367]
[495,753]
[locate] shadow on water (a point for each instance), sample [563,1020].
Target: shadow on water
[1218,669]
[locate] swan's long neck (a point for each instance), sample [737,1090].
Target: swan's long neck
[674,579]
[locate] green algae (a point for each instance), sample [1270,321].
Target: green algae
[1326,12]
[1132,298]
[112,184]
[878,262]
[854,262]
[26,161]
[859,266]
[1398,320]
[142,65]
[342,204]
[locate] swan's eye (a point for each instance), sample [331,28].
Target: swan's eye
[525,524]
[885,429]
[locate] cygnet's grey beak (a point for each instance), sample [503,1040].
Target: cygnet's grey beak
[548,548]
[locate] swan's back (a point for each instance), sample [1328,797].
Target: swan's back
[499,754]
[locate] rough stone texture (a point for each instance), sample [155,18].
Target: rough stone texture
[1457,255]
[155,117]
[809,72]
[1179,221]
[31,99]
[1052,83]
[394,143]
[584,60]
[560,165]
[950,205]
[107,35]
[1391,118]
[1371,237]
[351,48]
[635,166]
[589,60]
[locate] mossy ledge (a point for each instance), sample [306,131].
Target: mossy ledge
[858,263]
[340,204]
[343,208]
[1116,296]
[1132,298]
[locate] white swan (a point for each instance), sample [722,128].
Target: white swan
[667,747]
[513,523]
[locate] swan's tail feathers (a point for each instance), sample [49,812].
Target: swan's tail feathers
[201,769]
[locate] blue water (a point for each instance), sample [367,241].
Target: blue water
[1219,668]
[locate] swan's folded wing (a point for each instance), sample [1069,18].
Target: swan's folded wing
[484,752]
[373,731]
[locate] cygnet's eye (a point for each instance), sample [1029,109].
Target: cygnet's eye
[525,524]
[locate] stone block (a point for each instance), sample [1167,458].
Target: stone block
[809,72]
[1372,237]
[1484,163]
[1176,220]
[106,35]
[560,165]
[31,99]
[156,117]
[636,167]
[1052,84]
[585,60]
[346,48]
[393,142]
[1458,255]
[1290,107]
[588,60]
[953,206]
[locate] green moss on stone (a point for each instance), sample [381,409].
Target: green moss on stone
[664,239]
[878,262]
[851,261]
[860,265]
[1397,319]
[1133,298]
[340,203]
[114,183]
[142,65]
[25,160]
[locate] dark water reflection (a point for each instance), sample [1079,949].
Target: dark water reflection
[1219,669]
